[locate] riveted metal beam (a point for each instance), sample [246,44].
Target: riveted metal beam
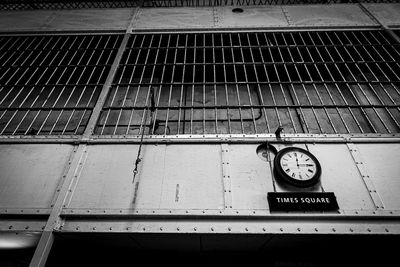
[226,177]
[44,246]
[105,90]
[376,199]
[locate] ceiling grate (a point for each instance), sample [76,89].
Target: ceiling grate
[250,83]
[50,84]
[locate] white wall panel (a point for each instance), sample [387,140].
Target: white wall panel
[340,175]
[170,177]
[30,174]
[388,14]
[383,164]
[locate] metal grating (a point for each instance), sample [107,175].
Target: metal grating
[72,4]
[50,84]
[250,83]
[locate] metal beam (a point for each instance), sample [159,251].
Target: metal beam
[105,90]
[44,246]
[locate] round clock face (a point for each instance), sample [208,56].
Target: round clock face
[297,167]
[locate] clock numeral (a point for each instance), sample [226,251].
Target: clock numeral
[293,175]
[310,170]
[287,170]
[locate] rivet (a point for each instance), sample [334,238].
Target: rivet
[229,229]
[187,211]
[94,228]
[77,228]
[177,228]
[333,229]
[264,229]
[144,228]
[161,229]
[298,229]
[315,229]
[369,230]
[212,228]
[247,229]
[281,229]
[351,230]
[27,227]
[387,230]
[110,228]
[195,228]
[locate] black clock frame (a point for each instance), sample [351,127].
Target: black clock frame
[279,172]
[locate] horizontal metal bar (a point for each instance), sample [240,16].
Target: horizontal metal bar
[251,106]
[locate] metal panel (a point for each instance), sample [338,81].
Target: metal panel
[30,174]
[340,175]
[388,14]
[25,20]
[251,16]
[169,177]
[251,178]
[382,163]
[173,18]
[251,83]
[78,20]
[327,15]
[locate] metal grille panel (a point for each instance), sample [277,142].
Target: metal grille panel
[49,84]
[68,4]
[251,83]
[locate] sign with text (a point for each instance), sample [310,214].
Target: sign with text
[302,201]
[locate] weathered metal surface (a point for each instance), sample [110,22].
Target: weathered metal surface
[252,16]
[173,18]
[340,175]
[30,174]
[251,178]
[66,20]
[174,177]
[327,15]
[388,14]
[382,163]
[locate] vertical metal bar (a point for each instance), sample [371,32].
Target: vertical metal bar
[38,94]
[236,83]
[162,79]
[226,85]
[247,82]
[258,81]
[337,87]
[214,84]
[73,89]
[327,88]
[21,89]
[309,74]
[355,79]
[50,77]
[105,90]
[183,88]
[277,75]
[63,89]
[170,86]
[359,86]
[268,80]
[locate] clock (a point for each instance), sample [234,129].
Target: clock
[297,167]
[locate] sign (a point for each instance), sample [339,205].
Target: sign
[302,201]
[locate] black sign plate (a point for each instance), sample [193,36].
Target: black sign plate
[302,201]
